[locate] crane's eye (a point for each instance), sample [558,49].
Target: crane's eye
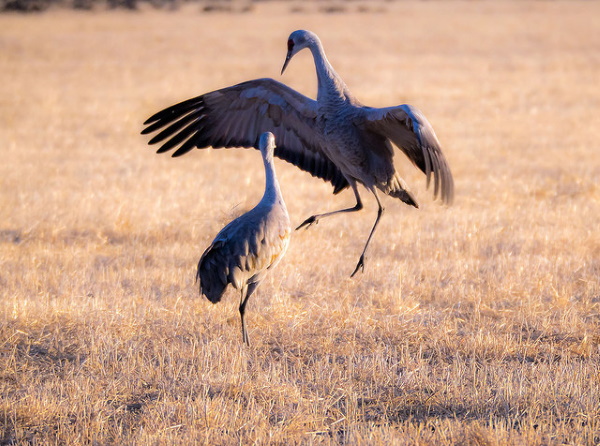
[290,44]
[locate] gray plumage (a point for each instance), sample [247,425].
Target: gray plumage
[245,249]
[334,138]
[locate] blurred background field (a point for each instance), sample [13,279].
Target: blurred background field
[473,324]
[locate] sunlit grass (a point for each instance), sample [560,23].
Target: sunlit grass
[474,324]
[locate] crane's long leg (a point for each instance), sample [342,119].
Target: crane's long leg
[246,293]
[315,218]
[361,262]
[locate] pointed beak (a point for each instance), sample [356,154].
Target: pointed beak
[287,60]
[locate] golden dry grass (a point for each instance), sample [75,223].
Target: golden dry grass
[475,324]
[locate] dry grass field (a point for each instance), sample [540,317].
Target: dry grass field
[472,324]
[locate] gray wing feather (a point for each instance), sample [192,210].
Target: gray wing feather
[408,129]
[241,253]
[235,116]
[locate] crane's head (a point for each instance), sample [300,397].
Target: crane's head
[266,144]
[297,41]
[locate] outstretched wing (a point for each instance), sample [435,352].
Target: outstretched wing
[408,129]
[236,116]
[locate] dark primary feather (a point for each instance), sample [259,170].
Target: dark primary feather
[234,116]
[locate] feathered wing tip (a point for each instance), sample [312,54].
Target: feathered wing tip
[163,117]
[409,130]
[179,126]
[437,167]
[433,161]
[211,275]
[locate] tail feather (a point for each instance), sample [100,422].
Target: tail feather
[212,276]
[398,188]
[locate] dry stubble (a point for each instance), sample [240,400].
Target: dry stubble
[473,324]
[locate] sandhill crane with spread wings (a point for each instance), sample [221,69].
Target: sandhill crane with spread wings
[334,137]
[245,249]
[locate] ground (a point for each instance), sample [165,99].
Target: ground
[472,324]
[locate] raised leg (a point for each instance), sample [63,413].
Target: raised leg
[315,218]
[245,295]
[361,262]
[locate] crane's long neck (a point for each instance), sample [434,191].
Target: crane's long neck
[331,87]
[272,192]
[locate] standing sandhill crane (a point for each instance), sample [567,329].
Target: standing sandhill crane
[247,247]
[334,138]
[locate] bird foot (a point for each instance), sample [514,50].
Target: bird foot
[245,338]
[360,265]
[308,222]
